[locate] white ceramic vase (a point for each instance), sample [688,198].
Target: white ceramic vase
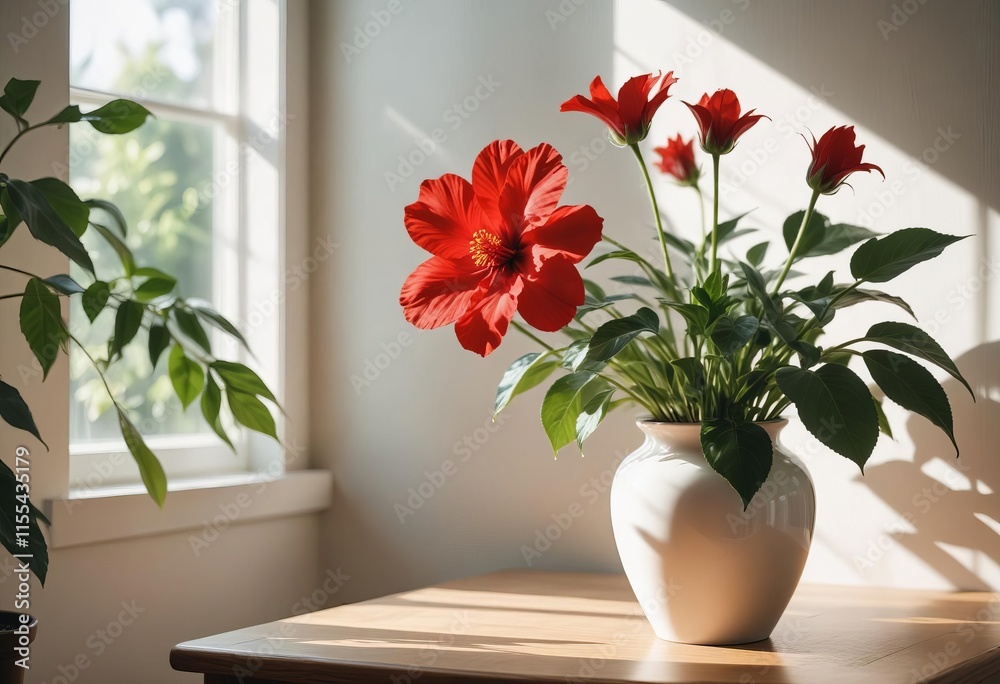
[704,570]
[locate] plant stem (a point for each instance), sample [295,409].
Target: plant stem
[700,252]
[532,336]
[798,241]
[17,270]
[715,212]
[16,138]
[656,210]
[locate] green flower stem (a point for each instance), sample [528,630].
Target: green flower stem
[700,252]
[798,241]
[715,212]
[532,336]
[656,210]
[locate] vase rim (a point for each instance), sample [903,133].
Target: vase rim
[650,421]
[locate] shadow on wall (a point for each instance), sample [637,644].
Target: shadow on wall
[943,55]
[960,508]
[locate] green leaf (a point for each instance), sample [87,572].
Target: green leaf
[835,406]
[693,372]
[18,96]
[758,288]
[128,320]
[880,260]
[911,386]
[820,238]
[63,283]
[186,376]
[727,229]
[695,315]
[6,229]
[625,254]
[641,281]
[15,411]
[596,403]
[9,510]
[211,404]
[159,340]
[756,254]
[912,340]
[121,249]
[45,224]
[883,422]
[112,211]
[95,298]
[70,114]
[238,377]
[248,410]
[189,325]
[207,313]
[859,295]
[730,335]
[574,357]
[42,323]
[740,452]
[117,116]
[525,373]
[155,287]
[66,203]
[561,406]
[615,335]
[149,467]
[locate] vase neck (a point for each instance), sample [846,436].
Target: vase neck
[687,436]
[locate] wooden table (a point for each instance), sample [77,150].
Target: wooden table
[563,627]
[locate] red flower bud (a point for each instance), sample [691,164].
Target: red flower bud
[834,158]
[677,160]
[720,121]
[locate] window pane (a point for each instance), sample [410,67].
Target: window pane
[160,177]
[180,51]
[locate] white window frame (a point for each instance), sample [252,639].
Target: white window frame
[98,465]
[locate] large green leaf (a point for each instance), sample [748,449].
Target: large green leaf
[835,406]
[205,311]
[116,117]
[66,203]
[18,96]
[42,323]
[121,249]
[211,405]
[149,466]
[186,376]
[740,452]
[239,378]
[159,340]
[113,211]
[880,260]
[561,406]
[64,284]
[15,411]
[615,335]
[596,403]
[250,411]
[45,223]
[913,340]
[525,373]
[189,325]
[730,335]
[13,505]
[859,295]
[912,386]
[128,320]
[95,298]
[820,237]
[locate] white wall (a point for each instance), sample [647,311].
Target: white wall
[376,97]
[251,573]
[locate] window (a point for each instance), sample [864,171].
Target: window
[183,183]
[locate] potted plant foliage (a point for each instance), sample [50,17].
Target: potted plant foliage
[713,354]
[138,297]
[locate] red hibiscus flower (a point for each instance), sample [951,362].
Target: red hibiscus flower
[834,158]
[500,245]
[677,160]
[720,121]
[628,118]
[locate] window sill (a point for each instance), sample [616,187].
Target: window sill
[96,516]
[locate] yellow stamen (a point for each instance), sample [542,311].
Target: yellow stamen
[488,250]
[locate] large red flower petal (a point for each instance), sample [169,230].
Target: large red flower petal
[440,291]
[483,326]
[445,216]
[489,173]
[631,102]
[659,97]
[571,231]
[535,181]
[549,300]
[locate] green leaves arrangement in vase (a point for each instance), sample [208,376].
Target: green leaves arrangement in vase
[727,344]
[139,297]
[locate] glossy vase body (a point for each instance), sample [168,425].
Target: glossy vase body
[704,570]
